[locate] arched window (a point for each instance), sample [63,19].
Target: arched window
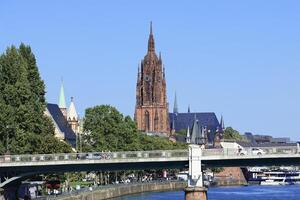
[147,121]
[156,121]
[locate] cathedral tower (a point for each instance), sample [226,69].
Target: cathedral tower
[151,111]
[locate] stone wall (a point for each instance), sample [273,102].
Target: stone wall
[230,176]
[123,190]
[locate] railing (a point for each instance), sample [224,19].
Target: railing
[94,156]
[233,152]
[227,152]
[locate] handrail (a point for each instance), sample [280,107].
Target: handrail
[93,156]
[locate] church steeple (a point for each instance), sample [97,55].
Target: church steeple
[222,123]
[175,109]
[62,100]
[151,111]
[151,46]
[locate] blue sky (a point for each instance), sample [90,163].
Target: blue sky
[236,58]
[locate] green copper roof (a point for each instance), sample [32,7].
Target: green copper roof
[62,99]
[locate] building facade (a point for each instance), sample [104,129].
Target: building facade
[151,111]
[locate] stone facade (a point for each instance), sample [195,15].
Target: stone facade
[151,111]
[231,176]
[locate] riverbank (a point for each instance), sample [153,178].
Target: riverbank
[123,190]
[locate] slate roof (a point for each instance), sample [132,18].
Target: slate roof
[185,120]
[62,123]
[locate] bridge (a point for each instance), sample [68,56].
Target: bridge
[19,167]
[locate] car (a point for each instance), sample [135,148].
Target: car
[257,151]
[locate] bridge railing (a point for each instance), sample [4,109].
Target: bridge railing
[233,152]
[94,156]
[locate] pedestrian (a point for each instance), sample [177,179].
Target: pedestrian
[77,155]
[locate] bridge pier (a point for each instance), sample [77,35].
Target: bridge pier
[10,193]
[2,194]
[195,193]
[195,189]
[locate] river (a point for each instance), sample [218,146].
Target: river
[229,193]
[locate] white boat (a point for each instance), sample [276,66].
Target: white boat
[280,178]
[273,182]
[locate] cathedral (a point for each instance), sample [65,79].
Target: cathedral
[151,110]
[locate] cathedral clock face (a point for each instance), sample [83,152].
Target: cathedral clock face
[147,78]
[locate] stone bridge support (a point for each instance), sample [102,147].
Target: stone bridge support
[10,193]
[195,189]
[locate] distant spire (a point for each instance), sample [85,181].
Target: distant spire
[151,47]
[222,124]
[175,109]
[188,136]
[72,114]
[189,109]
[62,100]
[159,56]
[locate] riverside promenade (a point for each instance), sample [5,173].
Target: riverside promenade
[114,191]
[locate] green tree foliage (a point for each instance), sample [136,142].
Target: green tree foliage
[108,130]
[23,126]
[231,134]
[182,132]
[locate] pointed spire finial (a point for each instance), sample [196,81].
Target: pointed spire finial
[175,109]
[151,47]
[62,100]
[189,109]
[222,123]
[160,56]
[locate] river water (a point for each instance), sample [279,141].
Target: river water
[229,193]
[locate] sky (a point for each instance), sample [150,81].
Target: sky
[239,59]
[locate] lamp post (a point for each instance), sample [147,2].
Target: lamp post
[7,139]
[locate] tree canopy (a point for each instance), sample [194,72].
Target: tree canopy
[108,130]
[232,134]
[23,126]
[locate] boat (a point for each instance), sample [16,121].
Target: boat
[280,178]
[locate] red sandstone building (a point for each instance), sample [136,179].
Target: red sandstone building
[151,111]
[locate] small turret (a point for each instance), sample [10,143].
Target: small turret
[72,116]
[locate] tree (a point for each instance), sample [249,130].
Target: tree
[108,130]
[23,126]
[232,134]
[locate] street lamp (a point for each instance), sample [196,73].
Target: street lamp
[7,139]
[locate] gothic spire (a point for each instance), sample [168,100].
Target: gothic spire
[151,47]
[188,135]
[189,109]
[175,109]
[62,100]
[222,123]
